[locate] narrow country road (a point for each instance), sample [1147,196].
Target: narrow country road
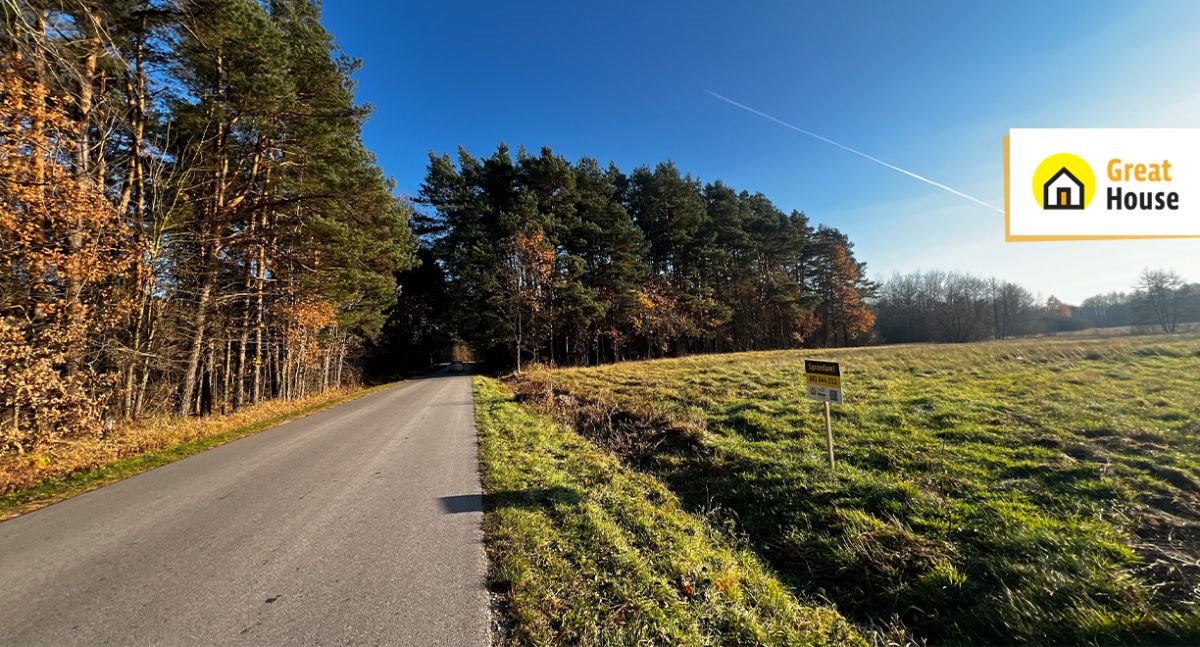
[358,525]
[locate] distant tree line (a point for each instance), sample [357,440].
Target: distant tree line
[956,307]
[190,221]
[1161,299]
[545,260]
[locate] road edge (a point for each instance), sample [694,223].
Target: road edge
[26,500]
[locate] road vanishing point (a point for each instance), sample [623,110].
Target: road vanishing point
[357,525]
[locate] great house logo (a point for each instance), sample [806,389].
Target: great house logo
[1066,181]
[1141,190]
[1135,183]
[1063,181]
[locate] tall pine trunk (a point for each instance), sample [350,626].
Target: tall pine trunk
[199,323]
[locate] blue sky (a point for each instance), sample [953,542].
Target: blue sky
[927,86]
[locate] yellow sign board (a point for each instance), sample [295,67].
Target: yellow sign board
[824,383]
[831,381]
[824,380]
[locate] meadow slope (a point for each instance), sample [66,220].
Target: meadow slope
[1036,491]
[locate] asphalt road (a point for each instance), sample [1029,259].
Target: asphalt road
[358,525]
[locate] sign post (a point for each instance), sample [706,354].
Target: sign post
[824,383]
[829,433]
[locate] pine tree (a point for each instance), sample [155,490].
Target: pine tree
[614,258]
[231,60]
[642,265]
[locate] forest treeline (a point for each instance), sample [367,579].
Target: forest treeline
[956,307]
[533,258]
[545,260]
[190,219]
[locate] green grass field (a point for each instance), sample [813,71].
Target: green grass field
[1040,491]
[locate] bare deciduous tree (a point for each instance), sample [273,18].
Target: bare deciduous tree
[1160,296]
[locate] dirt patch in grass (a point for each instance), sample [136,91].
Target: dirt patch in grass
[1168,546]
[634,438]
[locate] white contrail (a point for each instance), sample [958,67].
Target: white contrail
[856,152]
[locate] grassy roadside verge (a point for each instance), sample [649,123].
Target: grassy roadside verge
[584,551]
[57,487]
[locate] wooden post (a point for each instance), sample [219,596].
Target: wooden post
[829,433]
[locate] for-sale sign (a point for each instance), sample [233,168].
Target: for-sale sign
[824,380]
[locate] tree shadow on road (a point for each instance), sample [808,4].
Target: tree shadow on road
[534,498]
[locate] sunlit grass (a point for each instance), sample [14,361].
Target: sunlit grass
[588,552]
[1030,491]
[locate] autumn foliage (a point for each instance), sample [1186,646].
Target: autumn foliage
[525,274]
[190,223]
[65,250]
[847,316]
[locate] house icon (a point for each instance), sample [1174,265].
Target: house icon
[1063,191]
